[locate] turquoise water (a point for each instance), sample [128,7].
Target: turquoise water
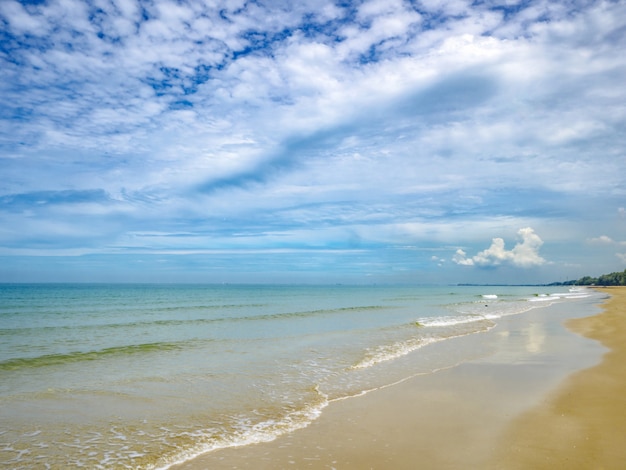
[144,376]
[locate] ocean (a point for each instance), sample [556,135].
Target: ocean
[146,376]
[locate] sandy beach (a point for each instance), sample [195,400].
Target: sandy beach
[535,395]
[583,424]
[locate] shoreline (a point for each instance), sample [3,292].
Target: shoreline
[461,417]
[583,424]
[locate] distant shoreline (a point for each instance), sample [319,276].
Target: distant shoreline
[510,285]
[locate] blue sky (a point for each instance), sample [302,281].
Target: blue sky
[312,141]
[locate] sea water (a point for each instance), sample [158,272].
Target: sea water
[145,376]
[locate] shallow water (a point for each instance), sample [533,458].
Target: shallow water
[143,376]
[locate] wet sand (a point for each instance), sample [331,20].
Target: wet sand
[533,395]
[583,424]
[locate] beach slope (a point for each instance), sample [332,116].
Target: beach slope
[583,424]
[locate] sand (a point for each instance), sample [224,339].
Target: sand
[582,425]
[537,396]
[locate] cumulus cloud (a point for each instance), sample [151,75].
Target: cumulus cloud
[460,257]
[524,254]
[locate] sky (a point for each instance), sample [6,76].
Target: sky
[312,141]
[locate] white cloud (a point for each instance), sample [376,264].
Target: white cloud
[20,20]
[460,257]
[524,254]
[403,122]
[606,240]
[602,239]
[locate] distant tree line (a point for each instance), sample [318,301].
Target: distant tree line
[613,279]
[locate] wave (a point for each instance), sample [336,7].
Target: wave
[455,325]
[309,313]
[198,321]
[80,356]
[398,349]
[544,298]
[570,295]
[472,320]
[455,320]
[206,307]
[245,433]
[393,351]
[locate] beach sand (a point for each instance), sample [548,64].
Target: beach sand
[583,424]
[535,396]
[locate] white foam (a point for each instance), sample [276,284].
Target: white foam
[559,296]
[456,320]
[394,351]
[489,296]
[543,298]
[248,433]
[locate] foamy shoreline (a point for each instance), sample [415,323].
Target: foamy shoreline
[450,419]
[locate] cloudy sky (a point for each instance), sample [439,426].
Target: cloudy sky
[312,141]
